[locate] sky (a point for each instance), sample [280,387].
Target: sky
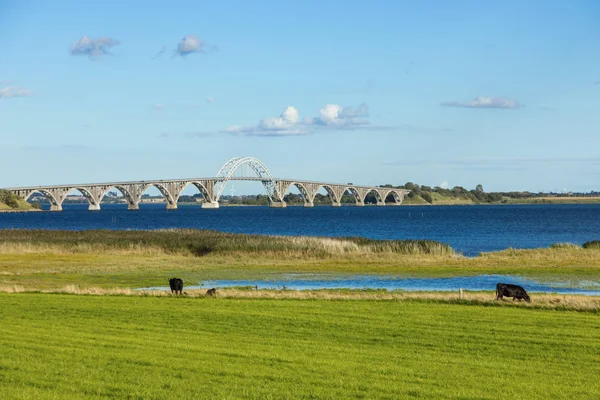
[442,93]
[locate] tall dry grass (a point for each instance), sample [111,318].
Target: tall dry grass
[202,242]
[539,300]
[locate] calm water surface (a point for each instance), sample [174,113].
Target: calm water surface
[475,283]
[469,229]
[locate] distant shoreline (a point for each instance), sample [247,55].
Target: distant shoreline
[528,201]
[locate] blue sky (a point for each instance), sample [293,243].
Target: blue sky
[502,93]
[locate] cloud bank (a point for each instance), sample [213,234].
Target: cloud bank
[91,47]
[289,123]
[484,102]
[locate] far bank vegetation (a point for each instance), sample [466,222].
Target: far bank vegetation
[11,202]
[422,194]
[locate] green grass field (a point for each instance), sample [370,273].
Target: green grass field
[69,346]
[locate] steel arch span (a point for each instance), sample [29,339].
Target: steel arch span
[243,165]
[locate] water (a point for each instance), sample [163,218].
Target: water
[468,229]
[474,283]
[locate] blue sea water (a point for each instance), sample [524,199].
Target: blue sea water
[468,229]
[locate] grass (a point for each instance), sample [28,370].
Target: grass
[54,259]
[67,346]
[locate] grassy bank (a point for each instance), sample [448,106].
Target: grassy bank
[438,199]
[55,259]
[66,346]
[11,202]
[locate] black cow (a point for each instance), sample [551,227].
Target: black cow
[211,292]
[176,285]
[514,291]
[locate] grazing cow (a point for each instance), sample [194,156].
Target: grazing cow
[514,291]
[176,285]
[211,292]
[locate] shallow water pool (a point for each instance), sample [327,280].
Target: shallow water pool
[473,283]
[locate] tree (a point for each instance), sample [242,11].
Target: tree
[427,197]
[479,188]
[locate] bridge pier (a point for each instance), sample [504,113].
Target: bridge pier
[381,203]
[278,204]
[133,206]
[309,204]
[94,207]
[336,204]
[360,204]
[55,207]
[210,204]
[171,206]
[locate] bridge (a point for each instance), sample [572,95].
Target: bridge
[236,169]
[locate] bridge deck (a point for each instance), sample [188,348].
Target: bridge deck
[214,179]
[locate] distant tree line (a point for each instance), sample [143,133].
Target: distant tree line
[477,195]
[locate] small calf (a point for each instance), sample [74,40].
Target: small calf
[211,292]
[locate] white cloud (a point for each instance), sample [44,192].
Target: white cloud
[158,106]
[14,91]
[289,123]
[484,102]
[190,44]
[210,100]
[334,116]
[445,185]
[91,47]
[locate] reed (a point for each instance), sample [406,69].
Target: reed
[202,242]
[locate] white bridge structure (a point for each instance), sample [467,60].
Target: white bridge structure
[236,169]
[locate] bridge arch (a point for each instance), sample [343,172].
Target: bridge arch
[86,194]
[329,191]
[201,188]
[378,197]
[162,189]
[396,196]
[47,194]
[131,202]
[353,192]
[243,164]
[306,196]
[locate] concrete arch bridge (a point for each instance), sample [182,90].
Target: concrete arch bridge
[236,169]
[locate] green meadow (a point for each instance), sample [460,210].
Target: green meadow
[57,346]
